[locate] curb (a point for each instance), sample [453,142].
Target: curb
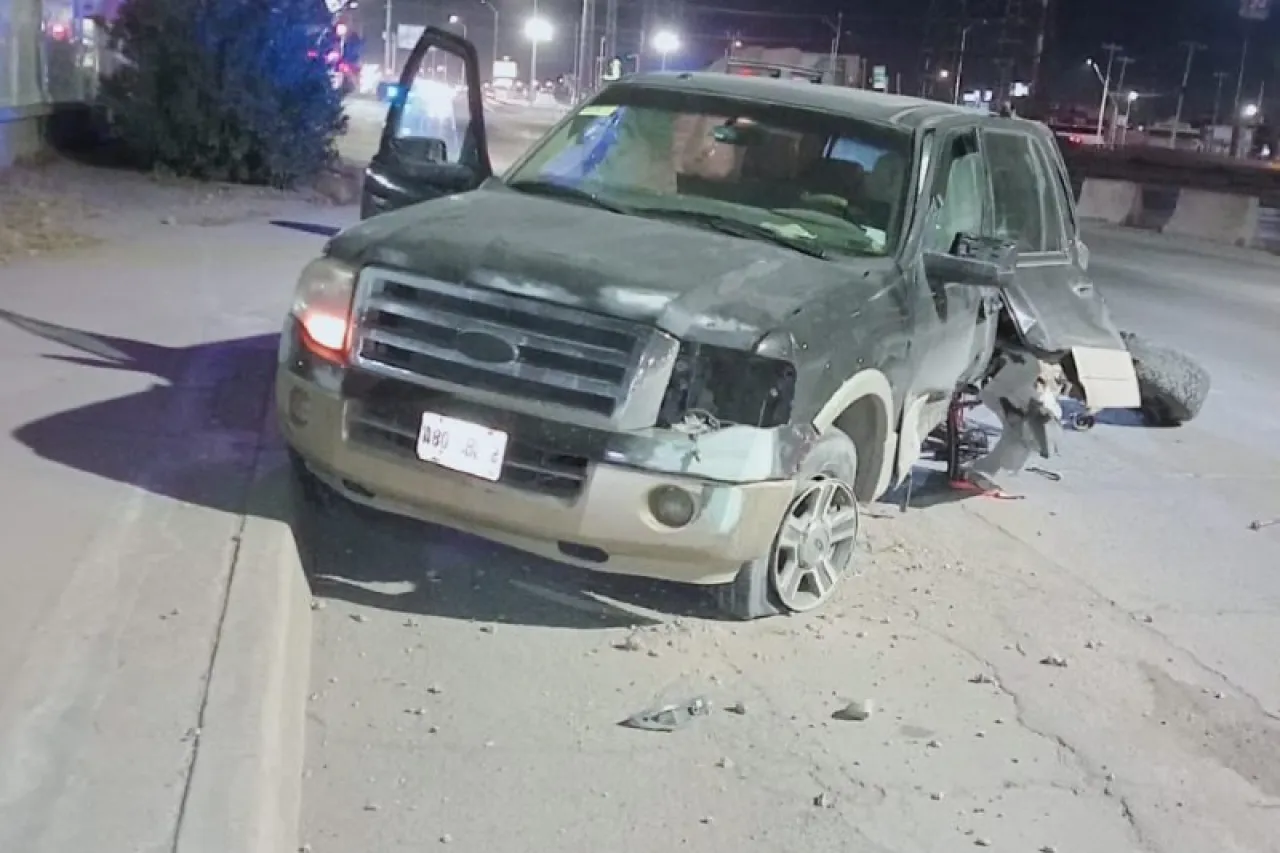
[245,791]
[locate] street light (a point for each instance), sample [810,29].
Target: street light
[1250,111]
[454,20]
[536,30]
[943,74]
[666,42]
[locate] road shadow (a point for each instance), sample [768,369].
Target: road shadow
[202,433]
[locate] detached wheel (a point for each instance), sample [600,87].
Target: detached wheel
[1173,386]
[815,546]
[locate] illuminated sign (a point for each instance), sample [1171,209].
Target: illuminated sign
[1255,10]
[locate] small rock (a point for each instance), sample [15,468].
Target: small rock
[418,712]
[937,796]
[409,623]
[434,730]
[982,678]
[708,820]
[305,848]
[737,708]
[630,644]
[486,629]
[856,711]
[435,689]
[359,617]
[317,604]
[1054,660]
[725,763]
[934,744]
[168,220]
[981,842]
[371,807]
[446,839]
[1048,848]
[824,801]
[1219,695]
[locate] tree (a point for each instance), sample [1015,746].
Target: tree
[228,90]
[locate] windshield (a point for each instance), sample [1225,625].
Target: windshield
[834,184]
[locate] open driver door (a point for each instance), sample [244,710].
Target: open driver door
[433,142]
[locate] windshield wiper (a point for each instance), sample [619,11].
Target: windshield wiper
[556,189]
[735,228]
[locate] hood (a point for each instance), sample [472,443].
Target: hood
[693,283]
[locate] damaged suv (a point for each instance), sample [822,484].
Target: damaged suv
[688,331]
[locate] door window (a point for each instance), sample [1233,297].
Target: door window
[436,109]
[959,194]
[1022,192]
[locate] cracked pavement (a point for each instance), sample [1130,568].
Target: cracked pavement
[1088,669]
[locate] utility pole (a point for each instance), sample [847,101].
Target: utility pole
[1220,76]
[586,48]
[1037,57]
[388,45]
[1112,50]
[1125,62]
[838,30]
[1191,47]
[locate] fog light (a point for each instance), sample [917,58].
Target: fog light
[672,506]
[299,408]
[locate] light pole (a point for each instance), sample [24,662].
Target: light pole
[536,30]
[964,45]
[1191,47]
[494,9]
[665,42]
[1128,111]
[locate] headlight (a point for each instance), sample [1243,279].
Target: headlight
[322,307]
[731,386]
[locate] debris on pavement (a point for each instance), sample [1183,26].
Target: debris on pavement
[1259,525]
[824,801]
[737,708]
[1054,660]
[856,711]
[982,678]
[668,718]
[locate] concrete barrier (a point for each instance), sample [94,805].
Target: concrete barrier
[1218,217]
[1115,202]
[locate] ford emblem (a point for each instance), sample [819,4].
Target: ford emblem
[486,348]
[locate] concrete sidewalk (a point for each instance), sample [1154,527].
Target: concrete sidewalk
[154,624]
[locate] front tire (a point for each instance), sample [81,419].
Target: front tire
[815,546]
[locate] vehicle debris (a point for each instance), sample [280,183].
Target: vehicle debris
[856,711]
[668,718]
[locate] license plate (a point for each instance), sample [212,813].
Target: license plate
[462,446]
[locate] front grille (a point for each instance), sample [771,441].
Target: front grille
[411,327]
[526,466]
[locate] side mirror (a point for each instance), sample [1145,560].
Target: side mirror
[421,150]
[979,261]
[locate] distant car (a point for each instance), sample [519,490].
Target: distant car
[692,328]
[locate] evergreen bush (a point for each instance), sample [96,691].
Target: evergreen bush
[224,90]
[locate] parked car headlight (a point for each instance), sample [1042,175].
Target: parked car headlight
[322,307]
[731,386]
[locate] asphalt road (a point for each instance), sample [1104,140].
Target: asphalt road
[470,695]
[511,129]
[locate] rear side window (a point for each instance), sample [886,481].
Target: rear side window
[1024,195]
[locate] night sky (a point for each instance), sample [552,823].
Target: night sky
[891,33]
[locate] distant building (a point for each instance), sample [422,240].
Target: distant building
[48,59]
[849,70]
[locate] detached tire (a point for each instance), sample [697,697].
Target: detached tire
[1173,386]
[815,546]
